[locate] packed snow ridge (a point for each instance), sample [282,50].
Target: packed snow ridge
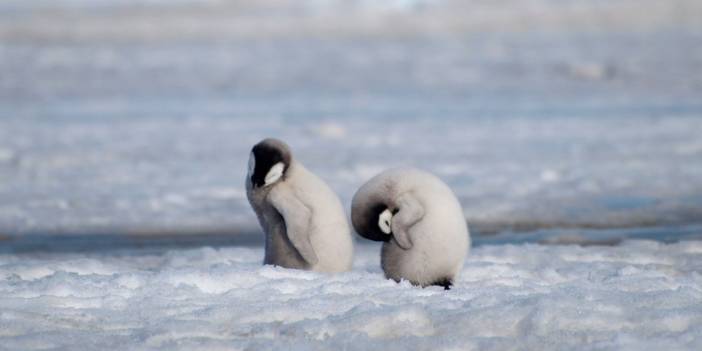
[640,295]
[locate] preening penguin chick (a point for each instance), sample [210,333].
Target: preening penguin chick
[420,221]
[303,219]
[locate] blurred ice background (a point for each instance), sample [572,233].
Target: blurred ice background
[123,116]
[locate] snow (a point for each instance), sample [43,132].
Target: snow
[640,295]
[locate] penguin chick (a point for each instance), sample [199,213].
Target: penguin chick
[303,220]
[420,222]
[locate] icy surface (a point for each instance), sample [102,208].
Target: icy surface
[125,115]
[641,295]
[80,174]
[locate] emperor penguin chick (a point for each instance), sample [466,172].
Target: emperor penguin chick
[303,220]
[420,221]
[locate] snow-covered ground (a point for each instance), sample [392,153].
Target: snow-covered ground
[641,295]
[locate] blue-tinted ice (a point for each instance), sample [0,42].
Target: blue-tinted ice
[540,114]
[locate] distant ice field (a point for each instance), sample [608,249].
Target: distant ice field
[541,114]
[98,173]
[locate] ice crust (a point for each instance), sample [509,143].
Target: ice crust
[641,295]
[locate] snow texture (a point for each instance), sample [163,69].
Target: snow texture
[641,295]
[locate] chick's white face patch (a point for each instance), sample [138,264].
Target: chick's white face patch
[252,163]
[385,221]
[275,173]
